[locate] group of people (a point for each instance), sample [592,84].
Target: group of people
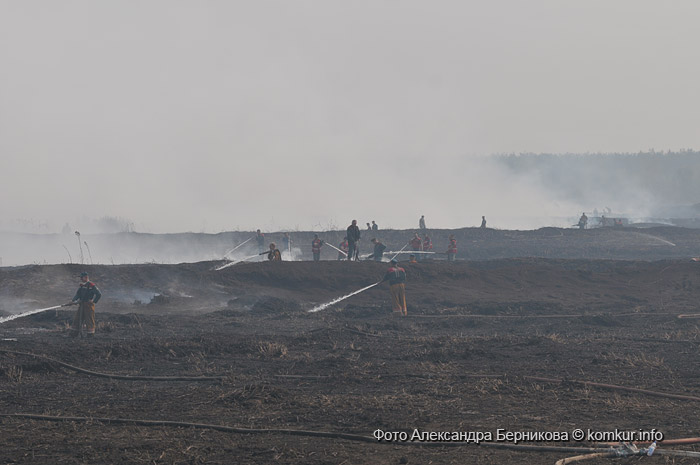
[349,249]
[88,293]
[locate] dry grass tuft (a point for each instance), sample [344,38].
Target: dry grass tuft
[12,373]
[272,349]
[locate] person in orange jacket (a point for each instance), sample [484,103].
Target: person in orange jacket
[416,243]
[452,249]
[427,244]
[397,285]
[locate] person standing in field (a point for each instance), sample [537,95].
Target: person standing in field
[397,286]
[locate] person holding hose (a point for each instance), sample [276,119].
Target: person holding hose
[86,297]
[379,249]
[397,285]
[274,255]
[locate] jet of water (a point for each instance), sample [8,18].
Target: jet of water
[318,308]
[336,248]
[30,312]
[409,251]
[237,261]
[397,253]
[231,251]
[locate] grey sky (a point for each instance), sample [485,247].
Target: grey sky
[211,115]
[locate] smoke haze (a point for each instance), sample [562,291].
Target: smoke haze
[218,115]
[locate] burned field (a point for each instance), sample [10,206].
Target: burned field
[510,344]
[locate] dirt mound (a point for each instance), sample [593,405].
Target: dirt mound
[517,286]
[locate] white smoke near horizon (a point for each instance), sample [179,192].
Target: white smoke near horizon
[515,192]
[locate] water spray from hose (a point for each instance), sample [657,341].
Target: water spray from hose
[318,308]
[238,261]
[336,248]
[231,251]
[30,312]
[397,253]
[414,252]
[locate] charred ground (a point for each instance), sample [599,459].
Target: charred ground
[463,360]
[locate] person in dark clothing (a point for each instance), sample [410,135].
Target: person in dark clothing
[375,226]
[369,228]
[583,221]
[483,222]
[421,223]
[316,245]
[86,297]
[353,235]
[260,240]
[379,249]
[397,282]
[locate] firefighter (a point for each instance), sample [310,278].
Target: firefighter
[452,249]
[353,235]
[260,240]
[344,247]
[274,255]
[379,249]
[583,221]
[86,297]
[316,245]
[397,285]
[427,244]
[416,243]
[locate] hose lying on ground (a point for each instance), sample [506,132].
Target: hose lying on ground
[220,378]
[112,376]
[580,458]
[613,387]
[292,432]
[600,452]
[665,442]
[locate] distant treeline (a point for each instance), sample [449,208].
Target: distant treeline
[623,180]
